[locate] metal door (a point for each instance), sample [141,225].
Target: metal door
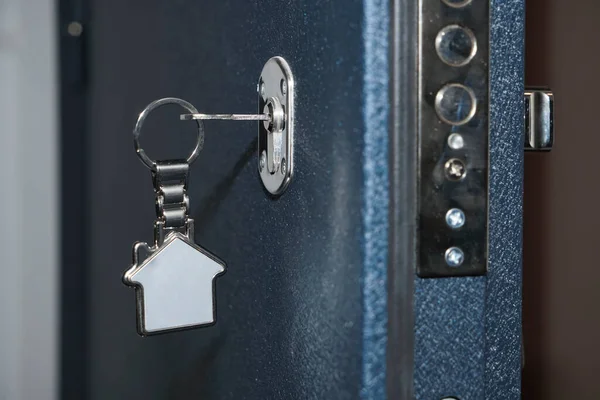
[320,299]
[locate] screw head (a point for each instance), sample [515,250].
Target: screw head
[263,161]
[283,166]
[456,141]
[75,29]
[455,169]
[455,218]
[454,257]
[284,87]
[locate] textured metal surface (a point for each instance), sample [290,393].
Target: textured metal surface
[467,330]
[375,161]
[503,292]
[303,269]
[449,338]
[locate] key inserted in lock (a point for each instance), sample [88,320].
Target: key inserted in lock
[274,126]
[276,133]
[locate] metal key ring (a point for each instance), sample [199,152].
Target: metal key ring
[140,121]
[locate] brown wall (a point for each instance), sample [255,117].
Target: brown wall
[562,206]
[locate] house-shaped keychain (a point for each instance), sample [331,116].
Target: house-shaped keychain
[173,279]
[174,284]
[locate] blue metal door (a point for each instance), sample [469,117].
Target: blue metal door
[320,299]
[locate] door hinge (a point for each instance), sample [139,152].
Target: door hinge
[539,119]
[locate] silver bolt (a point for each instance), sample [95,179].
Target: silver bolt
[284,87]
[263,161]
[455,169]
[454,257]
[455,218]
[456,141]
[262,89]
[283,167]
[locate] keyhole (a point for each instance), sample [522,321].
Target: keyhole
[274,126]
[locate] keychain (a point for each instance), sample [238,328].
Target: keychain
[173,278]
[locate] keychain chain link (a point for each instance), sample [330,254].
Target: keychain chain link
[170,185]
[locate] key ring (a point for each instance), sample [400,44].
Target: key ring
[151,164]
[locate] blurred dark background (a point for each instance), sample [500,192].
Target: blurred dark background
[561,269]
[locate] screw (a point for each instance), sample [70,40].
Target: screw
[456,141]
[283,167]
[454,257]
[455,169]
[75,29]
[455,218]
[284,87]
[263,161]
[262,89]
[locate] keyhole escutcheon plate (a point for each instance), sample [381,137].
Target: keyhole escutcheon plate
[276,137]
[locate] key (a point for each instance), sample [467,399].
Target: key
[230,117]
